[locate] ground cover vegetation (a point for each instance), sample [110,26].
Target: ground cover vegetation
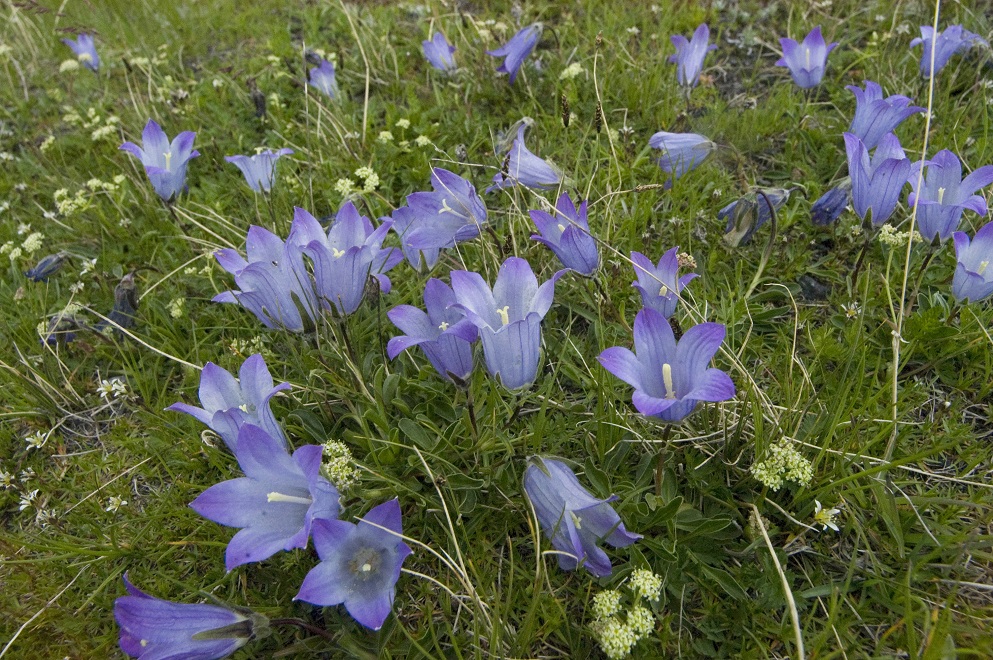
[482,330]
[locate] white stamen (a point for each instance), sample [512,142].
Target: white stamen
[443,326]
[561,227]
[807,50]
[664,291]
[576,521]
[292,499]
[337,253]
[941,194]
[445,208]
[143,642]
[168,158]
[366,567]
[982,267]
[504,314]
[670,391]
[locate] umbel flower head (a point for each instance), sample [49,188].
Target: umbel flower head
[875,116]
[360,564]
[229,403]
[260,169]
[522,167]
[508,318]
[165,162]
[954,40]
[660,285]
[276,501]
[517,49]
[681,152]
[876,182]
[807,60]
[568,235]
[944,194]
[973,280]
[670,377]
[85,50]
[574,520]
[322,79]
[690,55]
[156,629]
[439,52]
[443,333]
[832,204]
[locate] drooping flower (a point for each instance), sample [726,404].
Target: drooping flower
[670,377]
[567,234]
[681,152]
[274,282]
[439,52]
[524,168]
[746,214]
[360,564]
[954,40]
[574,520]
[165,162]
[944,195]
[806,61]
[452,213]
[85,50]
[229,403]
[322,79]
[660,285]
[508,318]
[156,629]
[275,502]
[876,116]
[973,280]
[345,257]
[876,182]
[831,204]
[260,169]
[446,346]
[690,55]
[517,49]
[46,267]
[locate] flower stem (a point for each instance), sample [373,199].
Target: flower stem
[920,275]
[773,226]
[660,459]
[303,625]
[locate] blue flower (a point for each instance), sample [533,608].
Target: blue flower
[808,60]
[876,116]
[660,285]
[574,520]
[568,235]
[681,152]
[831,204]
[85,50]
[944,195]
[690,55]
[973,278]
[164,163]
[517,49]
[524,168]
[46,267]
[260,169]
[322,79]
[439,52]
[954,40]
[876,183]
[746,214]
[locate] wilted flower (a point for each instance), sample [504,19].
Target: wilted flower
[360,564]
[568,235]
[322,79]
[164,163]
[660,285]
[157,629]
[447,346]
[85,50]
[877,182]
[690,55]
[122,314]
[681,152]
[574,520]
[260,169]
[973,278]
[670,377]
[955,39]
[746,214]
[831,204]
[438,52]
[274,503]
[47,267]
[876,116]
[515,50]
[944,194]
[508,318]
[806,61]
[230,403]
[524,168]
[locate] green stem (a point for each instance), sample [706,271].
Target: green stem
[303,625]
[773,227]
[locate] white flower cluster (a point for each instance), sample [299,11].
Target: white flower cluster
[783,463]
[176,306]
[339,466]
[888,235]
[571,71]
[369,177]
[617,634]
[115,386]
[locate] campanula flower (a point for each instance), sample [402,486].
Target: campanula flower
[681,152]
[260,169]
[876,116]
[954,40]
[360,564]
[322,79]
[944,195]
[690,55]
[447,346]
[973,278]
[452,213]
[165,162]
[876,182]
[46,267]
[574,520]
[274,503]
[438,52]
[156,629]
[660,285]
[229,403]
[85,50]
[670,377]
[746,214]
[567,234]
[345,257]
[508,318]
[517,49]
[524,168]
[122,314]
[274,282]
[832,204]
[807,60]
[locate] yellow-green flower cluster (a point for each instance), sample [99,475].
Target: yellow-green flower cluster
[618,628]
[369,177]
[888,235]
[339,466]
[69,206]
[783,463]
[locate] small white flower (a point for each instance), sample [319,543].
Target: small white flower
[68,65]
[76,287]
[27,474]
[825,517]
[6,480]
[571,71]
[633,31]
[403,123]
[36,440]
[28,498]
[422,141]
[33,242]
[384,137]
[23,228]
[176,307]
[114,503]
[105,388]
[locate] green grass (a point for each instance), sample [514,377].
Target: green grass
[910,572]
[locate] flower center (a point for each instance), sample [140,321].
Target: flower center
[366,563]
[168,158]
[982,267]
[576,521]
[504,314]
[443,326]
[670,391]
[941,194]
[445,208]
[664,290]
[561,227]
[292,499]
[143,642]
[337,253]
